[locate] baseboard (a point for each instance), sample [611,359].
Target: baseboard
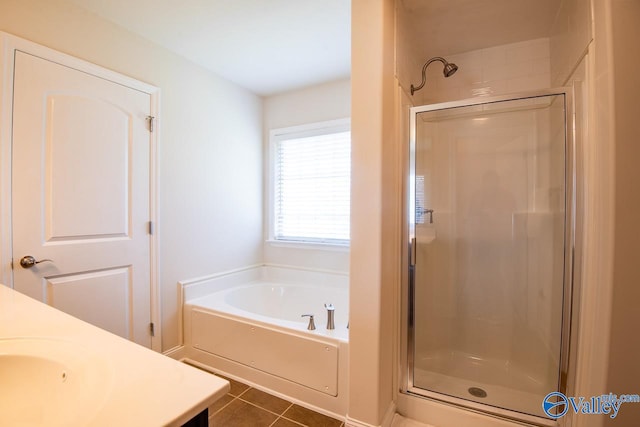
[386,420]
[388,416]
[177,352]
[350,422]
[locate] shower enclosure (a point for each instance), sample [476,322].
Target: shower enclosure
[491,235]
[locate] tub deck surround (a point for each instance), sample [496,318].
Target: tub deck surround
[253,329]
[111,380]
[269,303]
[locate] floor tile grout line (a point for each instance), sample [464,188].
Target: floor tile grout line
[288,407]
[278,416]
[227,404]
[269,394]
[268,410]
[294,421]
[342,423]
[285,418]
[240,394]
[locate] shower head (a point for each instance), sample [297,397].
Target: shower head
[449,70]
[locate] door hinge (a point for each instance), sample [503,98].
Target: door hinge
[151,122]
[150,227]
[152,330]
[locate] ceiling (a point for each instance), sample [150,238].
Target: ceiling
[456,26]
[266,46]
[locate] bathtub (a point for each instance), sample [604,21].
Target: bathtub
[249,326]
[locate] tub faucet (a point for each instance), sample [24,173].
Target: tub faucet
[330,311]
[312,324]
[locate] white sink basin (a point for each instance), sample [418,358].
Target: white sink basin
[50,382]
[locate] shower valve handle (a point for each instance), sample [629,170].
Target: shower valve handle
[430,213]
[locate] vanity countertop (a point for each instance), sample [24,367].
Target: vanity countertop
[112,381]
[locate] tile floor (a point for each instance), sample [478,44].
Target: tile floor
[245,406]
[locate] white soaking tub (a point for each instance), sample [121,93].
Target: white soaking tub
[252,328]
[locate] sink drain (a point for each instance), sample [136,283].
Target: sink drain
[477,392]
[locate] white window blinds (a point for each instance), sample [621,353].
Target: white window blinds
[312,188]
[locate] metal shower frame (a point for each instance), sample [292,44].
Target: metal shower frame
[407,344]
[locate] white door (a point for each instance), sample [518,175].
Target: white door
[80,195]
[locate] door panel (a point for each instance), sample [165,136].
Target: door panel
[80,195]
[86,152]
[69,293]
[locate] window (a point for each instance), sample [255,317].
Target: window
[311,180]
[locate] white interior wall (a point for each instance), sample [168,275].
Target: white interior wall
[570,36]
[624,370]
[329,101]
[210,153]
[408,59]
[607,358]
[375,206]
[580,57]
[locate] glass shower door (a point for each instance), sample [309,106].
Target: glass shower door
[488,216]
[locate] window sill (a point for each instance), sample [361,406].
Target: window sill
[308,245]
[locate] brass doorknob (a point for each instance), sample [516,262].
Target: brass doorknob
[28,261]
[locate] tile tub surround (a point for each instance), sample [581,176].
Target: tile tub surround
[248,406]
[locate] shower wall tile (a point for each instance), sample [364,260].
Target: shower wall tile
[532,49]
[530,82]
[494,55]
[472,59]
[541,67]
[465,76]
[494,72]
[497,70]
[522,68]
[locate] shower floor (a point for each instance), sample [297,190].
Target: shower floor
[468,377]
